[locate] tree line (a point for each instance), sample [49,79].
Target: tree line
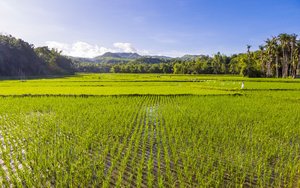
[218,64]
[279,56]
[21,59]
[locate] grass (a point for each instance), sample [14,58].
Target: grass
[120,84]
[150,131]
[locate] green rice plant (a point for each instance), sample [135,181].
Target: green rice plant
[105,139]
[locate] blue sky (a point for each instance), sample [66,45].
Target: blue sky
[163,27]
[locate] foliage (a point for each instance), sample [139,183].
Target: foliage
[18,58]
[55,62]
[279,57]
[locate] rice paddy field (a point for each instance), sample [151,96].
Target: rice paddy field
[150,130]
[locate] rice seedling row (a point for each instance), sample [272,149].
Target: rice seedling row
[149,141]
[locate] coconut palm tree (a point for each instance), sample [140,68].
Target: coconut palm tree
[284,41]
[249,64]
[277,53]
[297,55]
[271,51]
[262,54]
[294,55]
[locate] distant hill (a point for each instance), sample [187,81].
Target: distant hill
[119,55]
[188,57]
[159,57]
[19,58]
[82,59]
[114,58]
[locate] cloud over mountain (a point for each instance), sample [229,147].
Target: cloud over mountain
[79,49]
[125,47]
[84,49]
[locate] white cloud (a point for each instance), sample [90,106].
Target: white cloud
[79,49]
[83,49]
[58,45]
[125,47]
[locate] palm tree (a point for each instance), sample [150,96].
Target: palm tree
[297,59]
[262,48]
[248,48]
[249,58]
[270,50]
[284,40]
[277,53]
[294,55]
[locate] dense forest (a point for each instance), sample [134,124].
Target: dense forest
[21,59]
[279,56]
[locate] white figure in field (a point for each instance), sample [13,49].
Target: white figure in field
[243,85]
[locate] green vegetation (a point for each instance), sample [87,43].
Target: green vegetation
[278,57]
[152,84]
[150,130]
[117,84]
[18,58]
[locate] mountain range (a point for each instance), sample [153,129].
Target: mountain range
[122,57]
